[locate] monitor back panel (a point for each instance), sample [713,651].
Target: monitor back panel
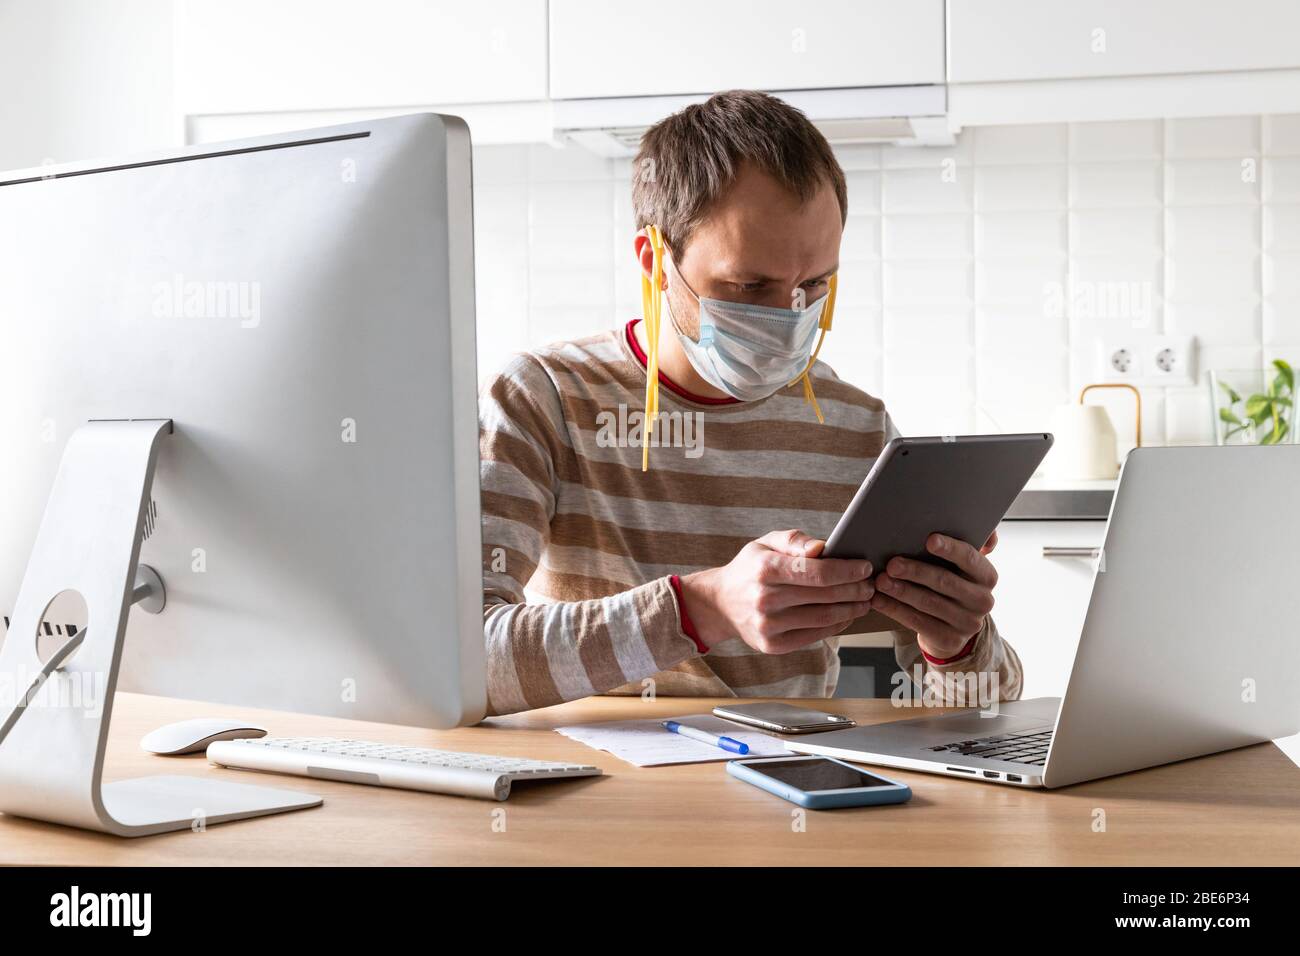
[302,306]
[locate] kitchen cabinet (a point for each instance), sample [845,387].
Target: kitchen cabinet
[602,49]
[1045,572]
[1001,40]
[244,56]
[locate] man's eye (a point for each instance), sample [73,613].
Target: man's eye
[749,286]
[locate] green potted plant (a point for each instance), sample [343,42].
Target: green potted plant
[1265,417]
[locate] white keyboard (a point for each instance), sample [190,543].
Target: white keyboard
[388,765]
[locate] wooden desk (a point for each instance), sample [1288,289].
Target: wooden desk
[1241,807]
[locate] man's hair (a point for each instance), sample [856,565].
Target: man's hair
[689,160]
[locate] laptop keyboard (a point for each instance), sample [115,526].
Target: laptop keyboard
[1024,747]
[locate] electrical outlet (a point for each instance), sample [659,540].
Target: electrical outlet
[1147,360]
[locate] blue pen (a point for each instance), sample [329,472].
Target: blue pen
[704,737]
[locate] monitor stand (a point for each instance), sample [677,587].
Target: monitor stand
[52,743]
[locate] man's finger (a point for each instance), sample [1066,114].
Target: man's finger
[816,616]
[794,640]
[912,619]
[930,603]
[977,567]
[777,568]
[960,589]
[780,596]
[991,543]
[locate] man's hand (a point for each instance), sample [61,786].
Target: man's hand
[944,608]
[776,594]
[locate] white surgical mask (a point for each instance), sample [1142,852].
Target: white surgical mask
[750,351]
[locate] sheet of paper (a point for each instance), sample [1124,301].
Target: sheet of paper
[645,743]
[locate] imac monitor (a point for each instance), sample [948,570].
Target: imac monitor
[301,307]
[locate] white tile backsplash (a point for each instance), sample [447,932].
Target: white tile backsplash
[1231,137]
[1282,135]
[1117,141]
[1198,182]
[858,156]
[918,282]
[959,154]
[1209,280]
[1281,311]
[1018,145]
[1282,179]
[1136,230]
[939,236]
[1220,321]
[1188,417]
[1212,230]
[1282,280]
[1020,187]
[1019,232]
[862,238]
[864,191]
[1281,227]
[974,279]
[1003,329]
[1105,185]
[859,284]
[1018,284]
[927,189]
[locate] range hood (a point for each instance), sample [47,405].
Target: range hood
[902,115]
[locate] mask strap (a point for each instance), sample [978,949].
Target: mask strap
[824,323]
[651,304]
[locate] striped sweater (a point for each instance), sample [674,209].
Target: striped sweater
[580,545]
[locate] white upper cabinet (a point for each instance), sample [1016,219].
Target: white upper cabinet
[243,56]
[601,48]
[998,40]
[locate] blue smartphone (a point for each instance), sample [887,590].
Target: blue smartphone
[819,783]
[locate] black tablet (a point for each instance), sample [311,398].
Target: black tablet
[958,485]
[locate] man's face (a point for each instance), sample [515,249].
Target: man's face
[761,246]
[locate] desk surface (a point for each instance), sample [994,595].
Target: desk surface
[1241,807]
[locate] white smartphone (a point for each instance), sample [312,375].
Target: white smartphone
[782,718]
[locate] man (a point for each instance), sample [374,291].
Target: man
[702,573]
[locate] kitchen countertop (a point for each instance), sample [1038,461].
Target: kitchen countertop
[1054,500]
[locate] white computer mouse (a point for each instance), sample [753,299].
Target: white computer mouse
[193,736]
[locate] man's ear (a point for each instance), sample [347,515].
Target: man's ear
[645,255]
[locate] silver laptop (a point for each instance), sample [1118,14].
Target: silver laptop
[1189,646]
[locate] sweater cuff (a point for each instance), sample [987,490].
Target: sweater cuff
[688,626]
[961,655]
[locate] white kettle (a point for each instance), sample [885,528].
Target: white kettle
[1085,447]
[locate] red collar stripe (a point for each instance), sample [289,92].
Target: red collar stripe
[664,380]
